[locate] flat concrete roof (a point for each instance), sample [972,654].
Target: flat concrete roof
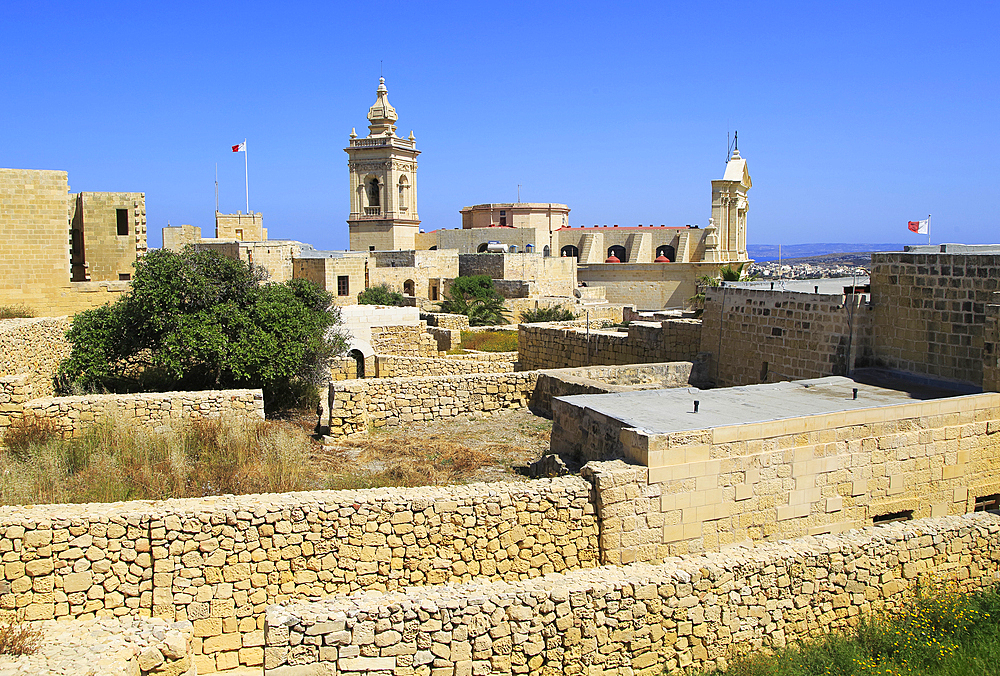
[830,286]
[672,410]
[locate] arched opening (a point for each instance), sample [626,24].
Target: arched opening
[359,362]
[433,248]
[618,252]
[373,190]
[546,251]
[408,287]
[482,247]
[667,251]
[569,251]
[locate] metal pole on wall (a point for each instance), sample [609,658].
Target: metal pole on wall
[588,337]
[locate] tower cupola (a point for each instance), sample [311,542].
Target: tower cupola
[382,116]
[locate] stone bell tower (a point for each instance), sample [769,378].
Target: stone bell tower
[383,170]
[726,239]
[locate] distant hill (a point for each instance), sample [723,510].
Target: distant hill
[769,252]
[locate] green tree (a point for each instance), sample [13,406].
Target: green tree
[380,294]
[727,273]
[476,298]
[199,320]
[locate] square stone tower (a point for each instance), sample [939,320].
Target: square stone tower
[383,170]
[726,237]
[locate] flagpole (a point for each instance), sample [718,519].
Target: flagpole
[928,229]
[246,173]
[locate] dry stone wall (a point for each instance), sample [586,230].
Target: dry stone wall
[693,611]
[604,379]
[70,415]
[34,346]
[413,341]
[392,366]
[543,346]
[758,336]
[353,406]
[219,562]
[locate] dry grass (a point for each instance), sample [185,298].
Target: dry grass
[117,460]
[20,639]
[15,311]
[490,341]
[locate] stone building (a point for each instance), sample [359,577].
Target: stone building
[383,187]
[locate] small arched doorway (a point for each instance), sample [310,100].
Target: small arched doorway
[546,251]
[667,251]
[408,287]
[569,251]
[482,247]
[359,362]
[618,252]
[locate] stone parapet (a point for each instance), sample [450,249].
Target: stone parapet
[219,562]
[393,366]
[692,611]
[556,346]
[446,320]
[70,415]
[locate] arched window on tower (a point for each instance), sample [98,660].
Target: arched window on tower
[372,188]
[618,252]
[667,251]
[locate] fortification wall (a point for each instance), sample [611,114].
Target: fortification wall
[758,335]
[700,490]
[553,346]
[694,611]
[393,366]
[929,312]
[70,415]
[991,346]
[219,562]
[355,405]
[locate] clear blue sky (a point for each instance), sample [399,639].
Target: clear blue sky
[854,117]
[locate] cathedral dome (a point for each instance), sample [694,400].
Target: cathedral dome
[382,115]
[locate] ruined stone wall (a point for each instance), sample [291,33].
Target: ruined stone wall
[219,562]
[604,379]
[355,405]
[445,320]
[394,366]
[695,611]
[34,346]
[758,335]
[929,312]
[701,490]
[412,341]
[70,415]
[554,346]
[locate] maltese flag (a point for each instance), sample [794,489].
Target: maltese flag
[243,146]
[919,227]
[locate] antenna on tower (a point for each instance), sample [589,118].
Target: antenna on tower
[731,146]
[380,68]
[216,187]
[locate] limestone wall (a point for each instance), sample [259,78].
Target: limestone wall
[704,489]
[413,341]
[694,611]
[648,286]
[757,335]
[929,312]
[359,319]
[554,346]
[393,366]
[34,346]
[355,405]
[70,415]
[219,562]
[604,379]
[991,346]
[445,320]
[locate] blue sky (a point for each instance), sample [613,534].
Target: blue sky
[854,117]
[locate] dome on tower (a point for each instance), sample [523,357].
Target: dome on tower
[382,116]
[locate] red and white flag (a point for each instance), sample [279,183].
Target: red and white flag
[241,146]
[919,227]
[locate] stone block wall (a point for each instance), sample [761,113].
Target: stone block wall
[219,562]
[70,415]
[757,335]
[353,406]
[929,312]
[15,392]
[446,320]
[700,490]
[412,341]
[695,611]
[604,379]
[991,346]
[543,346]
[394,366]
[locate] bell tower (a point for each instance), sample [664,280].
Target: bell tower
[727,240]
[383,169]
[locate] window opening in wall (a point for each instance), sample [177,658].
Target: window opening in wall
[892,517]
[371,248]
[408,287]
[667,251]
[122,216]
[503,218]
[239,234]
[569,251]
[124,276]
[618,252]
[775,331]
[546,252]
[988,503]
[343,285]
[433,291]
[763,371]
[359,363]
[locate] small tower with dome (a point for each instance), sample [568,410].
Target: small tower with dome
[383,182]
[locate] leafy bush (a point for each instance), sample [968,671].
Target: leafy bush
[199,320]
[119,460]
[476,298]
[15,311]
[557,313]
[380,294]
